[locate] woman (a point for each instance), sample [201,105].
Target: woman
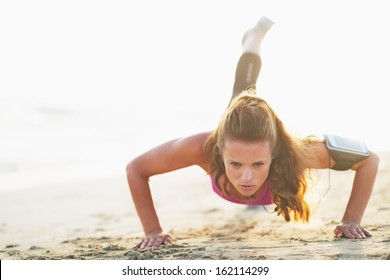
[251,158]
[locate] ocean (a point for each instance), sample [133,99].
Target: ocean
[52,142]
[85,86]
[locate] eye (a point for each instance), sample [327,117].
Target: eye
[258,164]
[235,164]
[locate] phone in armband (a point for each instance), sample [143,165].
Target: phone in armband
[345,152]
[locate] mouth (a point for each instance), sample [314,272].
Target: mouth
[247,188]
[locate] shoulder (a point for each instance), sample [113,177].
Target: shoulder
[193,147]
[171,155]
[193,142]
[188,147]
[314,153]
[196,143]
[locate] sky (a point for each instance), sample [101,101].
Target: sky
[165,69]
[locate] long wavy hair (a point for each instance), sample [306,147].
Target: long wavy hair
[250,119]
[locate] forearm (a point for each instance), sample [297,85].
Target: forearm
[361,190]
[170,156]
[143,202]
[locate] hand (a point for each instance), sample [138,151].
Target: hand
[351,230]
[154,240]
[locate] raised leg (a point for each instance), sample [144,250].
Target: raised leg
[249,64]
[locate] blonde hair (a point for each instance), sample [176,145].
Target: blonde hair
[250,119]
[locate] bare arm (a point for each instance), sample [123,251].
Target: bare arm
[167,157]
[361,192]
[363,184]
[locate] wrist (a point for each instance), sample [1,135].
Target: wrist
[153,231]
[350,220]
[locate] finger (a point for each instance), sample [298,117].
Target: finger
[144,243]
[366,232]
[359,234]
[347,232]
[158,241]
[150,243]
[363,232]
[167,240]
[338,233]
[137,246]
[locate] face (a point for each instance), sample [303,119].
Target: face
[247,165]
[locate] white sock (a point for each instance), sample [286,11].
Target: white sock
[253,37]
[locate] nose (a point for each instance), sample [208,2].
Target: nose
[246,175]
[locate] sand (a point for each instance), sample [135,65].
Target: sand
[96,220]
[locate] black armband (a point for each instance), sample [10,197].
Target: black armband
[345,152]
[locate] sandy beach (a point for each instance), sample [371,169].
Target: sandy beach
[88,85]
[96,220]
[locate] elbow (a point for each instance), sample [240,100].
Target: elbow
[371,164]
[130,167]
[134,171]
[374,160]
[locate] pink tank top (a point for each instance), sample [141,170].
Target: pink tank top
[263,198]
